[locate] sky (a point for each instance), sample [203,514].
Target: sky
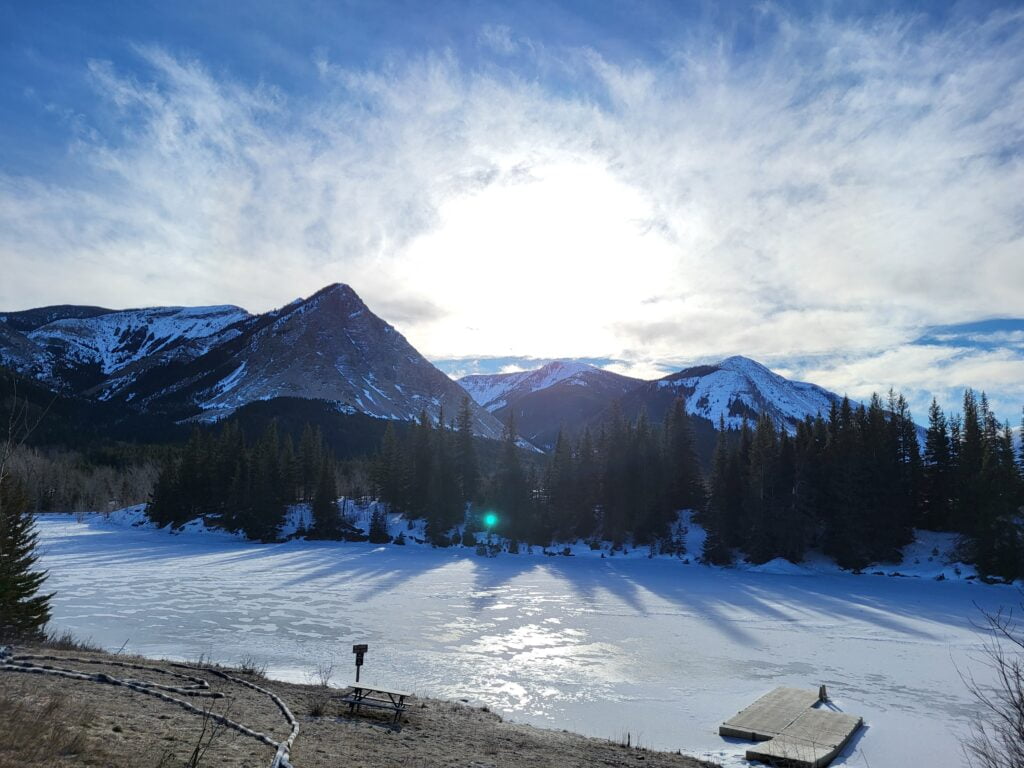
[833,189]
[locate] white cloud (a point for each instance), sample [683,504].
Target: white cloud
[499,38]
[926,371]
[827,198]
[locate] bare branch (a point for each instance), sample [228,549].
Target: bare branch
[997,736]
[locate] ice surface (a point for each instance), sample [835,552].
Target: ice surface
[654,647]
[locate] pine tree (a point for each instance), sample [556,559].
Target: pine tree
[326,516]
[585,491]
[444,507]
[465,453]
[809,479]
[422,467]
[792,533]
[938,473]
[264,513]
[23,610]
[615,500]
[971,458]
[291,471]
[512,491]
[560,491]
[844,535]
[998,541]
[390,473]
[310,459]
[716,514]
[686,489]
[1021,446]
[379,527]
[760,504]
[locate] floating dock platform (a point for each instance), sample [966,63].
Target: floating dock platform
[794,733]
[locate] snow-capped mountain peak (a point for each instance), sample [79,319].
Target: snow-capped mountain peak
[495,391]
[738,388]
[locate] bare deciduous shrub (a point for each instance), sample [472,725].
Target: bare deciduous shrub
[323,674]
[251,666]
[64,481]
[209,732]
[997,737]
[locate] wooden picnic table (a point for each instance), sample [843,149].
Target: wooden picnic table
[372,695]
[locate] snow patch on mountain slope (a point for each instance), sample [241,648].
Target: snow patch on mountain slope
[118,339]
[739,388]
[492,391]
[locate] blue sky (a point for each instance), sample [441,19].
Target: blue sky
[833,189]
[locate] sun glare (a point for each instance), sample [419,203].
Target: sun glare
[537,263]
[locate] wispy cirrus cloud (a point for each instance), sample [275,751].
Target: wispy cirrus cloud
[817,200]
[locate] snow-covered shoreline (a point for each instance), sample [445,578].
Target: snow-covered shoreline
[932,554]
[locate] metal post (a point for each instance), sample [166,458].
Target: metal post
[359,650]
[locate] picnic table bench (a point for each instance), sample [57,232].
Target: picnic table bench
[371,695]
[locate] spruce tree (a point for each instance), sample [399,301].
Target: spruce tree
[310,459]
[326,516]
[444,506]
[971,458]
[686,490]
[422,467]
[560,491]
[760,504]
[265,510]
[1020,436]
[390,475]
[615,500]
[809,477]
[790,538]
[512,491]
[585,492]
[715,516]
[378,533]
[24,611]
[998,541]
[465,453]
[843,508]
[938,473]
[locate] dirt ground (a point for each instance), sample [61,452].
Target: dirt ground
[60,722]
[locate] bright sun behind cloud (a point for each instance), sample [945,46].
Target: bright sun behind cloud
[539,262]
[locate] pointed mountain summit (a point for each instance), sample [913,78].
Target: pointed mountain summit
[332,347]
[207,362]
[734,389]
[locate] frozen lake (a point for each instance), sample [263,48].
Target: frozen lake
[659,649]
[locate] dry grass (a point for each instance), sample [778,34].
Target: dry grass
[66,641]
[41,729]
[64,723]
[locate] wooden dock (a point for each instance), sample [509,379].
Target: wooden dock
[794,733]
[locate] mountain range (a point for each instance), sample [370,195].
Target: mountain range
[572,396]
[205,363]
